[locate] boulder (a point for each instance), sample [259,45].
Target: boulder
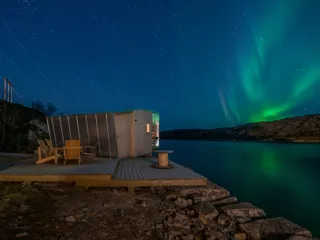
[280,227]
[206,210]
[243,210]
[211,192]
[224,201]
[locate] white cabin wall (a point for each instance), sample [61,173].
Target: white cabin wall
[123,127]
[142,139]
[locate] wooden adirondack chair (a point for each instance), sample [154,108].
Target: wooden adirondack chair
[50,145]
[72,151]
[89,151]
[45,154]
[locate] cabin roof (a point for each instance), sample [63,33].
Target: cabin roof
[121,111]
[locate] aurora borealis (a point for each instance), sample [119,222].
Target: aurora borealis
[200,64]
[278,68]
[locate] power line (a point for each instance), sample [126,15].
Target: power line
[12,88]
[31,59]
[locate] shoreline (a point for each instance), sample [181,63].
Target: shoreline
[186,213]
[241,140]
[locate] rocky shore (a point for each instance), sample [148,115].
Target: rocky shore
[62,211]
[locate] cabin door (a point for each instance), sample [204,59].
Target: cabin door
[123,124]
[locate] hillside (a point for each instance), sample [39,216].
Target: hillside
[20,127]
[295,129]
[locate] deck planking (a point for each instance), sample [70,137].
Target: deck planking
[102,166]
[104,173]
[140,169]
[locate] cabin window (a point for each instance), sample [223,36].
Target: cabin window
[148,128]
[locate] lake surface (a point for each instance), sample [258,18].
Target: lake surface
[282,179]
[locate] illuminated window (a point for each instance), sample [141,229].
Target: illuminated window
[148,128]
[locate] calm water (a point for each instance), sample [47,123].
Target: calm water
[282,179]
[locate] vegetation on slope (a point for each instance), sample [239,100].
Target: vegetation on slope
[20,127]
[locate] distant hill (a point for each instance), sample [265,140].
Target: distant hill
[295,129]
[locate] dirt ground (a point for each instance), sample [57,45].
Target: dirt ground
[62,211]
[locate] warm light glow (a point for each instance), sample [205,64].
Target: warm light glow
[148,127]
[155,130]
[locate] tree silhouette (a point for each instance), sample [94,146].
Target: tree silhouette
[47,110]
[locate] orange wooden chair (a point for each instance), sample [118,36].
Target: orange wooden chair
[45,154]
[72,151]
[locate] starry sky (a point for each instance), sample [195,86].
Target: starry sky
[200,64]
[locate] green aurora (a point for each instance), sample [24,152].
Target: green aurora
[275,75]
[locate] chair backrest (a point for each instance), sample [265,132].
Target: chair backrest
[73,149]
[45,149]
[50,145]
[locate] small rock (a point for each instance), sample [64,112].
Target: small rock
[179,221]
[26,184]
[187,237]
[143,204]
[20,235]
[24,208]
[79,215]
[202,219]
[240,236]
[176,232]
[200,236]
[159,226]
[223,220]
[213,235]
[70,219]
[191,213]
[171,196]
[244,210]
[181,202]
[264,228]
[153,190]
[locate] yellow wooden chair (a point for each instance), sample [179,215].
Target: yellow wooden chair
[50,145]
[45,154]
[72,151]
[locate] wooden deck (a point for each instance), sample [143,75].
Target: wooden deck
[105,172]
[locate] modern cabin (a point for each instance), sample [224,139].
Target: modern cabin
[115,135]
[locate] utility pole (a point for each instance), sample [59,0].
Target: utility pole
[7,90]
[7,97]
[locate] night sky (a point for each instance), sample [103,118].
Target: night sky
[200,63]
